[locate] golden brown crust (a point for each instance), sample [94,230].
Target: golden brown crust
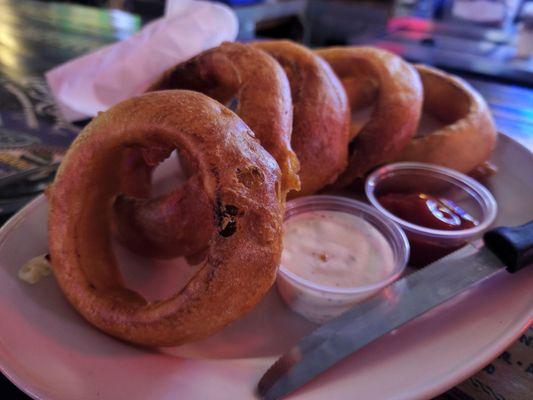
[469,136]
[168,226]
[258,83]
[179,222]
[261,88]
[321,114]
[238,176]
[369,73]
[137,174]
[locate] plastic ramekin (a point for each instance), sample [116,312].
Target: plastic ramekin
[428,244]
[319,303]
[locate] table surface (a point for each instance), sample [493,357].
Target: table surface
[35,37]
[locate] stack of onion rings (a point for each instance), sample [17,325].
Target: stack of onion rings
[228,214]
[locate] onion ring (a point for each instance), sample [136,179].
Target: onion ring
[162,227]
[321,114]
[241,180]
[260,87]
[369,73]
[469,135]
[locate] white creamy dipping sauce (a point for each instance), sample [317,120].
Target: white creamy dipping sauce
[335,249]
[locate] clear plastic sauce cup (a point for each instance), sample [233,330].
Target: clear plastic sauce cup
[427,244]
[320,302]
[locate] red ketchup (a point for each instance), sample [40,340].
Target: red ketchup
[430,212]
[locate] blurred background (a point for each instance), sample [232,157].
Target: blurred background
[488,38]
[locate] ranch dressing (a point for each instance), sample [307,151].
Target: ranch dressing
[329,259]
[335,249]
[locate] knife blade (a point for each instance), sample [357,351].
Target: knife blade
[502,248]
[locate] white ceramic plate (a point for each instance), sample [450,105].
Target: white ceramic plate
[51,353]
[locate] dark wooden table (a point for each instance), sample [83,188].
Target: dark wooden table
[36,36]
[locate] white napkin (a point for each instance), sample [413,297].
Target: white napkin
[94,82]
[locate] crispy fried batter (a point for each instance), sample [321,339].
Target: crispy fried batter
[261,89]
[375,75]
[240,179]
[469,135]
[321,114]
[171,226]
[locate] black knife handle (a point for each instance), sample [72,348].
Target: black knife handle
[514,246]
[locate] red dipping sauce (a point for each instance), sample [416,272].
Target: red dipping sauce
[430,212]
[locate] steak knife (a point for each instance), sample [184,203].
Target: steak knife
[503,248]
